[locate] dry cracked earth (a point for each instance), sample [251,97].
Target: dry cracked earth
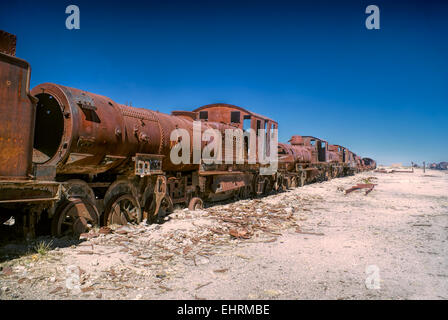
[313,242]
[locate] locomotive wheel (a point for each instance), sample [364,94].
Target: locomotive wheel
[79,189]
[262,185]
[259,185]
[166,206]
[149,211]
[196,204]
[73,217]
[329,174]
[294,182]
[336,172]
[249,191]
[287,183]
[302,178]
[123,209]
[278,186]
[268,186]
[245,192]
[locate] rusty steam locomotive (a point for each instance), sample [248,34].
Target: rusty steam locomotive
[71,159]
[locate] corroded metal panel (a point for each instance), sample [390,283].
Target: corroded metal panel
[7,43]
[17,112]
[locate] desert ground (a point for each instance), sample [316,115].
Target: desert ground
[313,242]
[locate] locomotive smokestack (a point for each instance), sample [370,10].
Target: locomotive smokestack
[8,43]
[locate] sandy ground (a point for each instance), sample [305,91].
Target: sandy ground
[313,242]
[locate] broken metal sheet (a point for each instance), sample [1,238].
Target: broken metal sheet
[368,186]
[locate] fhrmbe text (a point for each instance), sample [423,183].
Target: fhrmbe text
[240,147]
[226,309]
[245,309]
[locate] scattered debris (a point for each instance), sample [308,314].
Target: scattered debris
[394,171]
[298,230]
[87,289]
[86,236]
[153,260]
[105,230]
[56,290]
[203,285]
[165,288]
[368,186]
[369,180]
[240,233]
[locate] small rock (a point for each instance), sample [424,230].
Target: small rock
[52,279]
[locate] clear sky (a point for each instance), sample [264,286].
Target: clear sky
[311,65]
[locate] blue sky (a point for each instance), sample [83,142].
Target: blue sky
[310,65]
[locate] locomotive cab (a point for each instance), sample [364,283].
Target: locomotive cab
[240,118]
[319,146]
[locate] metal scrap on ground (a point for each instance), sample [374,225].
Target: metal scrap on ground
[368,186]
[393,171]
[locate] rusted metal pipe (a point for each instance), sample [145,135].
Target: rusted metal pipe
[368,186]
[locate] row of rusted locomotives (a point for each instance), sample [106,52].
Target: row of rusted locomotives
[307,159]
[71,159]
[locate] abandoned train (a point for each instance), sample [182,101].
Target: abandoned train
[71,159]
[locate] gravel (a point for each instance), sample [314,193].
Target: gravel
[313,242]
